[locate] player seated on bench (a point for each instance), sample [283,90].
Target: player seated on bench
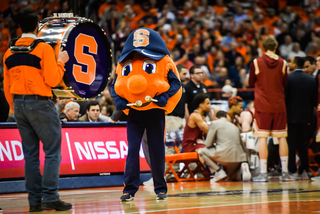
[196,126]
[224,146]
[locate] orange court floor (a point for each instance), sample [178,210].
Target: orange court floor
[188,198]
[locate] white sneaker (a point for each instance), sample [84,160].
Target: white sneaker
[219,175]
[287,177]
[148,182]
[316,178]
[245,172]
[304,175]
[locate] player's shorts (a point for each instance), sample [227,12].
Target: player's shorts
[270,124]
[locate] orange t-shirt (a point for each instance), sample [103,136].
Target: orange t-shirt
[102,9]
[210,62]
[152,26]
[313,53]
[35,72]
[219,9]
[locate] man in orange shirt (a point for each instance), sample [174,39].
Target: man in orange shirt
[30,70]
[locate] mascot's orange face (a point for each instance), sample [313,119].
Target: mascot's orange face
[140,77]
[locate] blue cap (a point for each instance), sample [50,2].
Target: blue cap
[146,42]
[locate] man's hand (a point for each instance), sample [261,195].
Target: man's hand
[162,99]
[63,56]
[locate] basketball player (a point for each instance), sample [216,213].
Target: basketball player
[268,76]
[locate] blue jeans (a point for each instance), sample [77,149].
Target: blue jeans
[38,120]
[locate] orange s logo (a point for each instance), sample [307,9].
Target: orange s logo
[89,76]
[141,38]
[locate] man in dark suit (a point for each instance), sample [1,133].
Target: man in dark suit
[300,101]
[92,112]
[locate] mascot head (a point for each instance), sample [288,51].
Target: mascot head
[142,70]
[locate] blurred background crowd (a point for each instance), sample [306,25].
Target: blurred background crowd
[222,36]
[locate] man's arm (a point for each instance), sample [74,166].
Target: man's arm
[120,103]
[7,86]
[53,70]
[187,114]
[200,122]
[252,75]
[211,136]
[246,119]
[175,85]
[285,73]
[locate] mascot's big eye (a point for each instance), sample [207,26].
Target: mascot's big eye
[149,66]
[126,69]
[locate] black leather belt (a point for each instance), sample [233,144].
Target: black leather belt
[29,97]
[176,115]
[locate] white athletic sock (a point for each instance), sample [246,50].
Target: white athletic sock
[263,165]
[284,163]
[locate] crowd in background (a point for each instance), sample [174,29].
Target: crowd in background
[222,36]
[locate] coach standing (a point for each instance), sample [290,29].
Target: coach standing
[30,70]
[301,99]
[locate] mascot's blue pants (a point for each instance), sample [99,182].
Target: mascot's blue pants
[154,122]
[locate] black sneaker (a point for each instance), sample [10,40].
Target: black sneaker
[126,197]
[35,208]
[56,205]
[0,210]
[161,196]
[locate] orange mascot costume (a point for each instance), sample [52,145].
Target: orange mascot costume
[146,87]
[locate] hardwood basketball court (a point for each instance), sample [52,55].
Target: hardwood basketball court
[188,197]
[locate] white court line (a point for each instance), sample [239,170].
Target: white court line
[81,192]
[70,153]
[224,205]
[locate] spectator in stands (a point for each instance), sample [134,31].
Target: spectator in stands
[300,37]
[310,66]
[224,146]
[111,18]
[240,15]
[288,15]
[228,91]
[235,104]
[71,112]
[286,48]
[219,7]
[233,53]
[107,110]
[296,51]
[283,32]
[221,61]
[234,71]
[270,109]
[301,95]
[222,76]
[92,112]
[60,104]
[196,126]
